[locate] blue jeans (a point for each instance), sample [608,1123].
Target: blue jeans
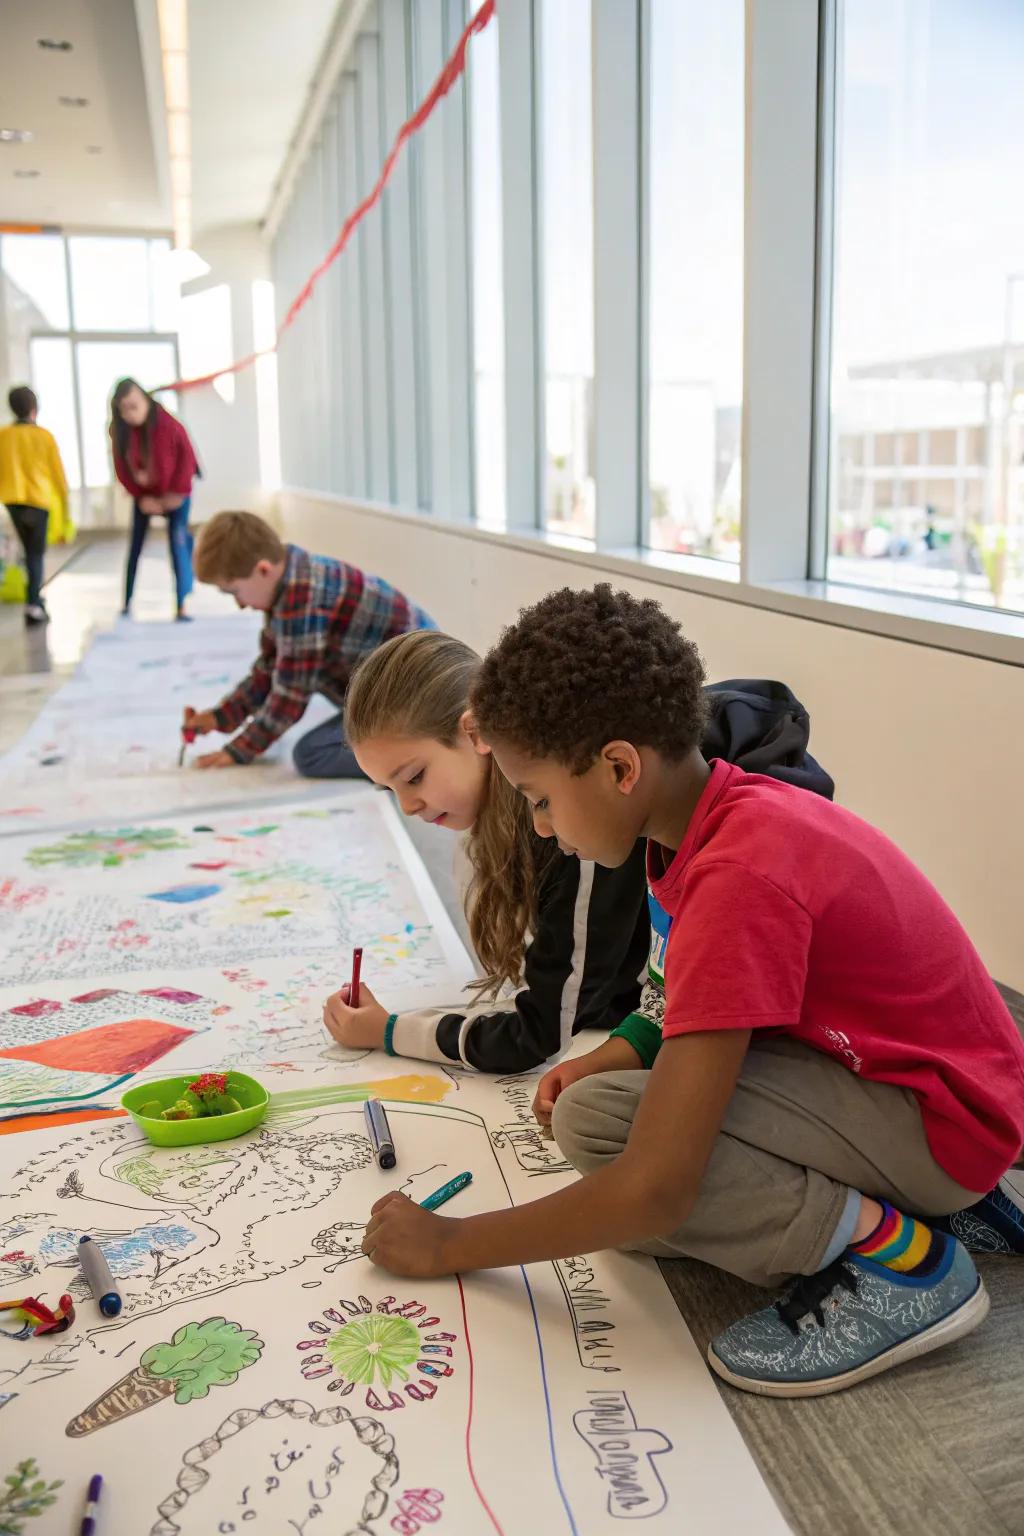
[323,753]
[178,543]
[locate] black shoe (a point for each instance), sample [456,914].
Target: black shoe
[36,614]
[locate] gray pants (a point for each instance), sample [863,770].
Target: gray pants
[800,1133]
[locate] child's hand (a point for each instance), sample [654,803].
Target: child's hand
[359,1028]
[151,505]
[552,1084]
[615,1055]
[221,759]
[199,720]
[407,1240]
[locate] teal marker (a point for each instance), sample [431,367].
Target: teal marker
[446,1191]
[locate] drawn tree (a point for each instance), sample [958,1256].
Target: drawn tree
[198,1357]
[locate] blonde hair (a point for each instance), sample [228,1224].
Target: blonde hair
[232,544]
[418,684]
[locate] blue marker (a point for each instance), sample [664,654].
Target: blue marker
[446,1191]
[380,1134]
[101,1281]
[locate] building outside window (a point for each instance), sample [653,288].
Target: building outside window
[926,490]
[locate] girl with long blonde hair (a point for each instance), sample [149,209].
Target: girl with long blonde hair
[561,943]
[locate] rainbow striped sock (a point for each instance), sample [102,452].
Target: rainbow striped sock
[903,1243]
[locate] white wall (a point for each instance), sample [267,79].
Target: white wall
[926,744]
[226,434]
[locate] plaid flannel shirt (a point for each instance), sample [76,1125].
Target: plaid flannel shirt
[325,616]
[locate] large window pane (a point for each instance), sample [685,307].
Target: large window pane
[110,283]
[926,492]
[54,384]
[488,298]
[35,282]
[100,365]
[696,276]
[567,225]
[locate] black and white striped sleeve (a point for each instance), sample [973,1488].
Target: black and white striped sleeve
[583,968]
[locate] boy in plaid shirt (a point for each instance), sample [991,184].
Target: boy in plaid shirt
[322,617]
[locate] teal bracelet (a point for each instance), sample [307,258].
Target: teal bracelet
[389,1034]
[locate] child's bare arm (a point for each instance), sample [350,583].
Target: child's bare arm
[649,1190]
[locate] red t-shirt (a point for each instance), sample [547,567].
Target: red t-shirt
[792,914]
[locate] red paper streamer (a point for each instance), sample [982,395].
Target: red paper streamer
[442,85]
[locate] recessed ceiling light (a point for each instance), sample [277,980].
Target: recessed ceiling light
[73,101]
[15,135]
[94,149]
[26,175]
[54,44]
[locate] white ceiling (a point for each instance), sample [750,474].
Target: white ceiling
[117,188]
[251,66]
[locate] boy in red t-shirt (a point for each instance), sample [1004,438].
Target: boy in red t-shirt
[834,1055]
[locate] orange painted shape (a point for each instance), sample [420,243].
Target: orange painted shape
[65,1117]
[127,1046]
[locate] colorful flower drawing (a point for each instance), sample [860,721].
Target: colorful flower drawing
[367,1346]
[375,1349]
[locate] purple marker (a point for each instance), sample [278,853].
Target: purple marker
[88,1525]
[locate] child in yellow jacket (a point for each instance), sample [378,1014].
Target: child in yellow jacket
[33,486]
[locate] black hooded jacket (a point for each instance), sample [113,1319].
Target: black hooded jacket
[587,964]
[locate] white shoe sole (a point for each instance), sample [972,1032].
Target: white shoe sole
[947,1330]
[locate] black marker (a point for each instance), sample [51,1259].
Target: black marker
[380,1133]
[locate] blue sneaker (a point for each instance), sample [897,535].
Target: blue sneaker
[994,1224]
[853,1320]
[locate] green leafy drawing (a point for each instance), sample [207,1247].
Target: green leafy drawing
[24,1494]
[81,850]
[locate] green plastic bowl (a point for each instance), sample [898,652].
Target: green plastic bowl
[252,1096]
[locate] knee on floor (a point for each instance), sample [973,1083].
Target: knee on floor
[569,1121]
[304,759]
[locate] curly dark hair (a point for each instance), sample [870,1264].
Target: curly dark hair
[580,669]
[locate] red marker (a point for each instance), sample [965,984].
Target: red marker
[353,991]
[188,736]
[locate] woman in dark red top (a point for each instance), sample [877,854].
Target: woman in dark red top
[156,463]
